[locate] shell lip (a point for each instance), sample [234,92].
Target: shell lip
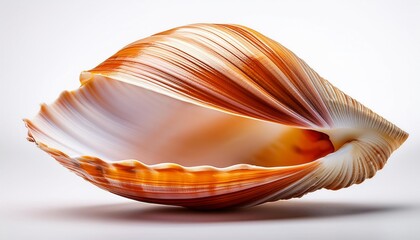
[166,165]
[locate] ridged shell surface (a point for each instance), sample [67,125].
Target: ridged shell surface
[212,116]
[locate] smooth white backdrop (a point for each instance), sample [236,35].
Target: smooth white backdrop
[368,49]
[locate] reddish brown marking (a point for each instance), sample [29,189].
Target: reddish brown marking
[296,146]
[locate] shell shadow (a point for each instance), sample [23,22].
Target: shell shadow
[283,210]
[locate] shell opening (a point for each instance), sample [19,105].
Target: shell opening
[115,121]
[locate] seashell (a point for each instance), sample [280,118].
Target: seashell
[212,116]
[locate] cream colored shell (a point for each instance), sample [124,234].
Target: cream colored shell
[212,116]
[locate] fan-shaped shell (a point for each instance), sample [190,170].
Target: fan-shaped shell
[212,116]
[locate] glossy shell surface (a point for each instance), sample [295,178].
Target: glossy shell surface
[212,116]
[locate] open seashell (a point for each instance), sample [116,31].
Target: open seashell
[212,116]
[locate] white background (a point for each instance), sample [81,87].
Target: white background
[368,49]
